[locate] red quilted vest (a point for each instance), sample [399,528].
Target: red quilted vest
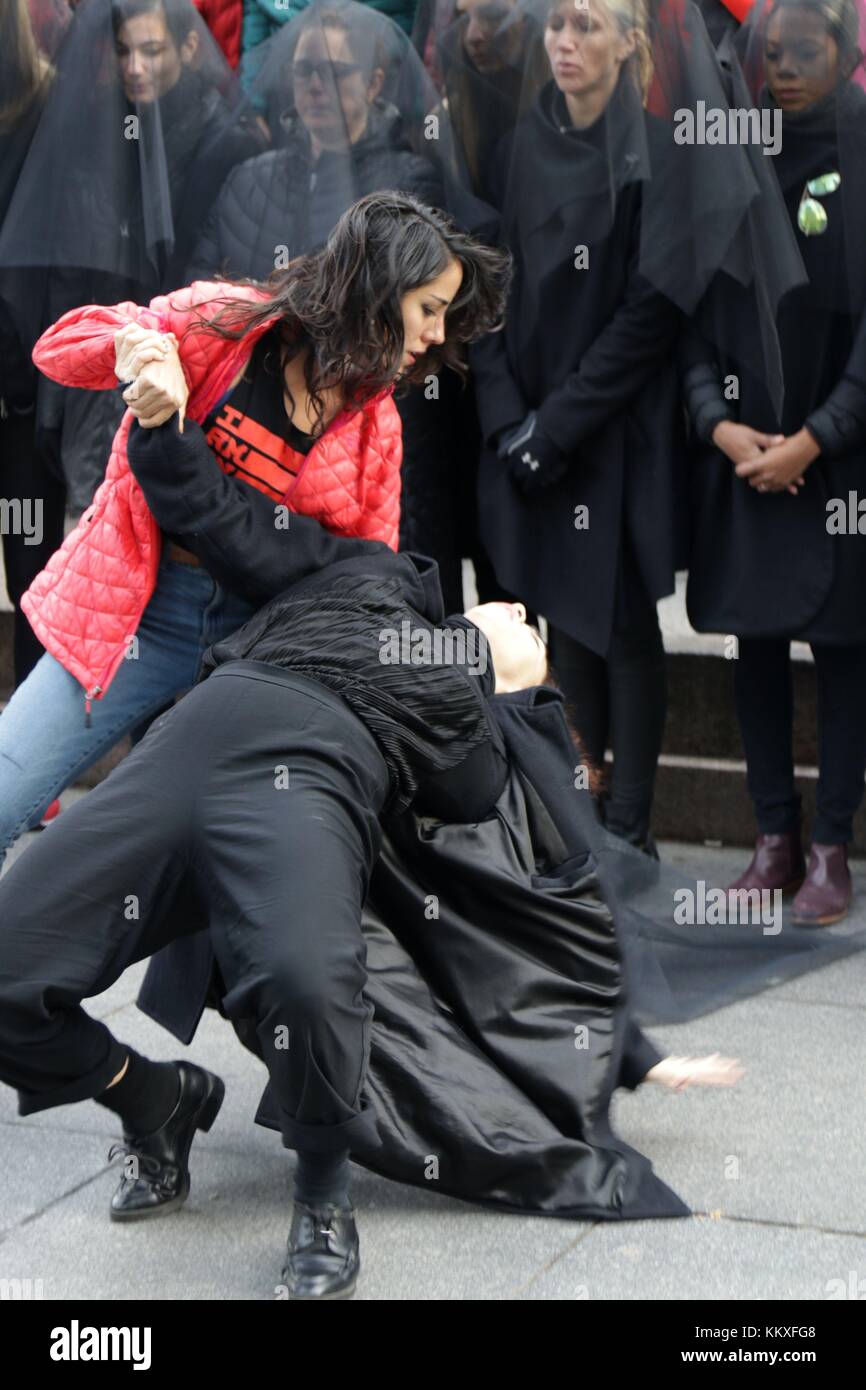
[87,603]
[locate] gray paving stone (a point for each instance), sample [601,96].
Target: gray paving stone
[40,1168]
[787,1143]
[704,1259]
[228,1241]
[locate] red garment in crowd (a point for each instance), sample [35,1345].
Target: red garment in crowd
[224,18]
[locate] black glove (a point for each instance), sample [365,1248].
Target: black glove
[534,460]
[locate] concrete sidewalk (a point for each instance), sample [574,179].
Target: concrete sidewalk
[774,1170]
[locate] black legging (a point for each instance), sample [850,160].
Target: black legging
[620,701]
[280,873]
[765,709]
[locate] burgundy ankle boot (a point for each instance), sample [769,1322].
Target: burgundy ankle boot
[777,863]
[826,892]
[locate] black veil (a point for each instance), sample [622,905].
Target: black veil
[133,142]
[351,110]
[802,259]
[678,967]
[25,82]
[488,62]
[132,145]
[707,208]
[821,165]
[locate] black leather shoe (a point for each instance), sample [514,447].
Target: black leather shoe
[323,1257]
[162,1181]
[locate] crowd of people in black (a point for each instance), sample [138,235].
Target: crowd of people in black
[624,344]
[678,341]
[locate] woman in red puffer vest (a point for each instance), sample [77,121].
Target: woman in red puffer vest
[289,386]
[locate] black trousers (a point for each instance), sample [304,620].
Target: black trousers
[25,475]
[254,801]
[765,709]
[620,701]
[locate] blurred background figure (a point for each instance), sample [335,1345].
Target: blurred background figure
[49,19]
[488,63]
[723,16]
[767,561]
[488,59]
[348,101]
[262,19]
[134,141]
[25,81]
[337,137]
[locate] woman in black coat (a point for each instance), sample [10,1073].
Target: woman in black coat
[777,553]
[578,397]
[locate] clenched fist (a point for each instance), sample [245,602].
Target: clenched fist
[159,390]
[134,347]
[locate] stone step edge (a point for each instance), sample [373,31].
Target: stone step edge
[683,760]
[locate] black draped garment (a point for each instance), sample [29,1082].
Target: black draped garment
[512,948]
[765,564]
[590,348]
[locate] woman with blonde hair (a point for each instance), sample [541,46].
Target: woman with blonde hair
[578,398]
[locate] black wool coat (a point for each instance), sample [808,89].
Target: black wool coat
[765,564]
[592,351]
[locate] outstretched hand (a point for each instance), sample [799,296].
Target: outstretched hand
[679,1072]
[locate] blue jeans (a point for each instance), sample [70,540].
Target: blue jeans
[44,741]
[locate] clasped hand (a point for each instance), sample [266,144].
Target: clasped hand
[767,462]
[151,363]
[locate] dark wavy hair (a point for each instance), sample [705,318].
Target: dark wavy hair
[343,304]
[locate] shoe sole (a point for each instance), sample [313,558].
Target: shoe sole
[324,1297]
[208,1113]
[820,921]
[148,1213]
